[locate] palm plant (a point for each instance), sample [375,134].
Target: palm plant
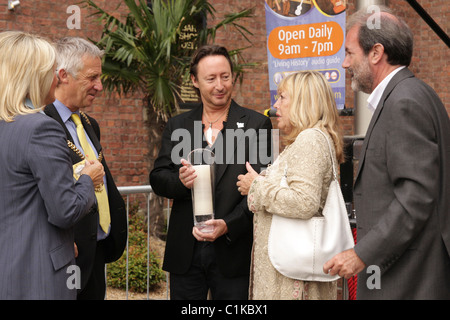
[144,54]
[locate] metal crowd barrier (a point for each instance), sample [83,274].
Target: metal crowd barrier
[147,191]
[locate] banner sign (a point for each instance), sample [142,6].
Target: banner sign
[306,35]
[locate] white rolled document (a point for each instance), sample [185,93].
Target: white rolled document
[203,203]
[202,160]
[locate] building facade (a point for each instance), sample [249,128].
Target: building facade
[124,121]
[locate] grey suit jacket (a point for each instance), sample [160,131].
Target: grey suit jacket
[402,190]
[86,230]
[39,204]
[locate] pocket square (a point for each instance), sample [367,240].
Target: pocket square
[240,124]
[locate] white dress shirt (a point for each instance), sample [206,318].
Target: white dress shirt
[376,94]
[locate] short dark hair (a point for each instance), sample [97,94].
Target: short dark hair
[393,33]
[205,51]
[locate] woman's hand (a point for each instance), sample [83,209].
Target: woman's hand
[95,170]
[245,181]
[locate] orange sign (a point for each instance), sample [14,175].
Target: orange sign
[308,40]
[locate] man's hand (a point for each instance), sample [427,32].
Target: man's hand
[346,264]
[187,174]
[220,228]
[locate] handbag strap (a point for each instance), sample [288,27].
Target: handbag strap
[331,153]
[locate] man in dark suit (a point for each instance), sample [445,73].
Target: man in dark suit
[402,185]
[218,261]
[101,236]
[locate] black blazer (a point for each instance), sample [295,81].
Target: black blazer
[86,229]
[233,250]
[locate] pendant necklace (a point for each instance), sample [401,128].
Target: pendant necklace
[209,132]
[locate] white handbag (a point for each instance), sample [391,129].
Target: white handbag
[299,248]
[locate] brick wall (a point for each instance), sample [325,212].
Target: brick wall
[125,131]
[431,57]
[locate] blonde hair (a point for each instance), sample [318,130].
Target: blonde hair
[27,66]
[312,102]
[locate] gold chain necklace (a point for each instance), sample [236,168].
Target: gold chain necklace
[75,149]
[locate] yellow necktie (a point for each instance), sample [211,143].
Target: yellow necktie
[102,197]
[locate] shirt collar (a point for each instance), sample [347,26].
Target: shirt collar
[376,94]
[63,111]
[28,103]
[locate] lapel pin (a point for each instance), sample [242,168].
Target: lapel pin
[240,124]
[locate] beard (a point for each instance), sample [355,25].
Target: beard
[362,78]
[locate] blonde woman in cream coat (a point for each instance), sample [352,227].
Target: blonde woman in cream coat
[305,101]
